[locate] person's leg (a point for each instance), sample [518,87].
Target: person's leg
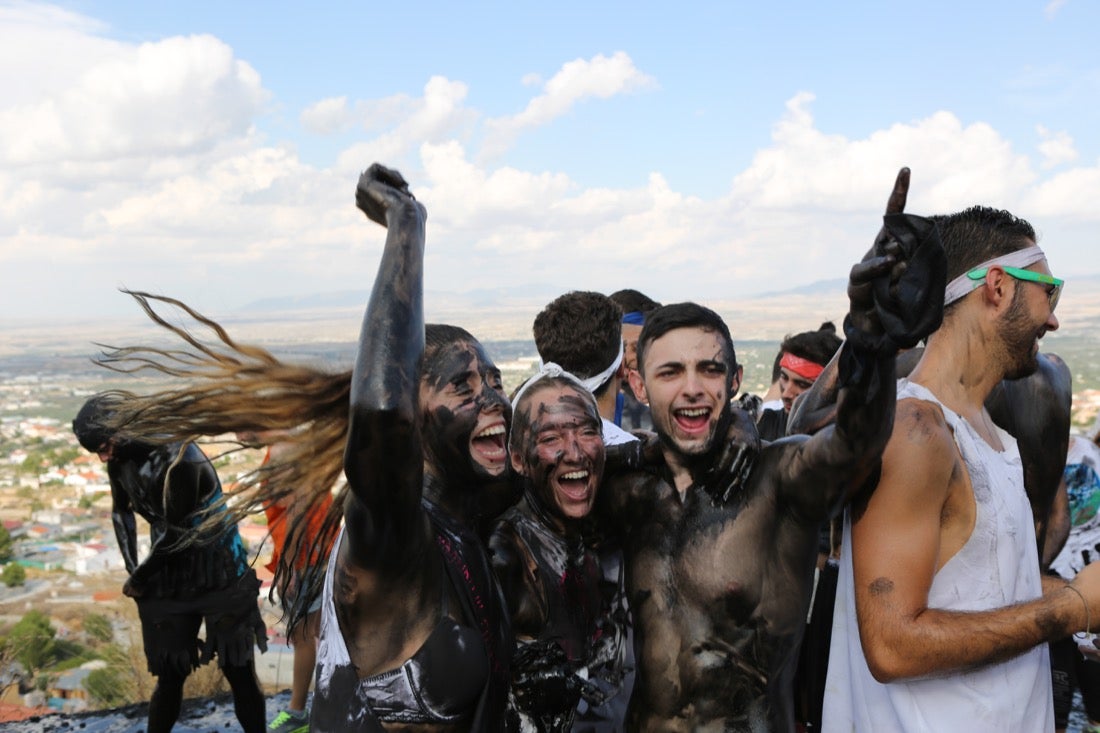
[248,700]
[233,630]
[171,653]
[164,705]
[1063,671]
[304,642]
[1088,680]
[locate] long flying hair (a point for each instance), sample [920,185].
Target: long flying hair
[230,388]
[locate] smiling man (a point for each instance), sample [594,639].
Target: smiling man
[941,612]
[719,587]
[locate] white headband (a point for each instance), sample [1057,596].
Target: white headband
[962,285]
[597,380]
[549,369]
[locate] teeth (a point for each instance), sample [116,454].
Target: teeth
[575,475]
[489,432]
[694,411]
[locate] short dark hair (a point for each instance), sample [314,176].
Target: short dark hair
[633,301]
[980,233]
[817,346]
[685,315]
[581,332]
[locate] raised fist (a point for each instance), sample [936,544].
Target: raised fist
[381,189]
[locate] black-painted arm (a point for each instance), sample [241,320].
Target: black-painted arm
[383,460]
[896,299]
[122,517]
[1053,533]
[1036,411]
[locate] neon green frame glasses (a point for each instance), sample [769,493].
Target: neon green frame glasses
[1054,292]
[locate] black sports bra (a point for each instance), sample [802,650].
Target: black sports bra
[439,685]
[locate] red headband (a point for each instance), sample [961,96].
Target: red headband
[802,367]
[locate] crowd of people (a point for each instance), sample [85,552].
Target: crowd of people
[625,543]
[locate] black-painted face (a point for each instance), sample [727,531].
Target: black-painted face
[465,413]
[559,447]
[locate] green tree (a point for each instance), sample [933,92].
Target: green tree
[5,544]
[99,627]
[31,641]
[13,575]
[106,687]
[66,455]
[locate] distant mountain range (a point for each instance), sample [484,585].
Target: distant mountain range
[481,298]
[493,314]
[536,296]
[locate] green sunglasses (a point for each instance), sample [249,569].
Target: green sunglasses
[1054,292]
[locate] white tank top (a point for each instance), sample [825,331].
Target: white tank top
[996,567]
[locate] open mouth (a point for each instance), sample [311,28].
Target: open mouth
[692,419]
[575,484]
[489,443]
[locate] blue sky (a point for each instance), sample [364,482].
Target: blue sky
[209,151]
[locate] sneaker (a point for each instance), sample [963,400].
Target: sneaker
[290,722]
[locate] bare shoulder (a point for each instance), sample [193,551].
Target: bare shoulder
[921,445]
[918,463]
[921,423]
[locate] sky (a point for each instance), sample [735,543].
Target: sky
[209,151]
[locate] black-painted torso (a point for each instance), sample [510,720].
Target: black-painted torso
[552,585]
[719,596]
[140,475]
[454,681]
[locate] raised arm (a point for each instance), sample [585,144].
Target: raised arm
[896,298]
[383,460]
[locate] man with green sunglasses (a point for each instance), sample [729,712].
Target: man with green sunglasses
[941,612]
[1054,284]
[1012,264]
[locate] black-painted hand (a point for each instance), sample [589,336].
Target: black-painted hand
[381,189]
[730,470]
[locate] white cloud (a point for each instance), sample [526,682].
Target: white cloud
[600,77]
[1057,147]
[409,123]
[806,207]
[1052,8]
[1072,194]
[950,162]
[327,116]
[31,36]
[139,164]
[176,96]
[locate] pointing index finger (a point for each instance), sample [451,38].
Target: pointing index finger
[896,204]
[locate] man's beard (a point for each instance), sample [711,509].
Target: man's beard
[1018,337]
